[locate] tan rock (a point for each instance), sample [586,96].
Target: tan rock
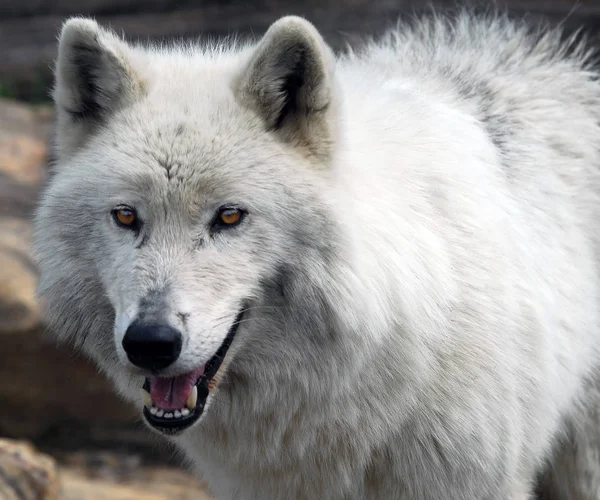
[26,474]
[19,308]
[24,135]
[148,483]
[23,119]
[21,157]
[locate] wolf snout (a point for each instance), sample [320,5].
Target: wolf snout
[152,346]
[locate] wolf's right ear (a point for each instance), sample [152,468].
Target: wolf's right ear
[93,80]
[289,82]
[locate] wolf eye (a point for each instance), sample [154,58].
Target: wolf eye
[125,217]
[228,217]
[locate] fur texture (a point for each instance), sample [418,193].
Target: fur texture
[419,258]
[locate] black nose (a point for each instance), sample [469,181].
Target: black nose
[152,346]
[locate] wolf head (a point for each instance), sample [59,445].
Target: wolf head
[190,230]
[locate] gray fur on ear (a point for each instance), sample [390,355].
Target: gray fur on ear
[289,81]
[93,79]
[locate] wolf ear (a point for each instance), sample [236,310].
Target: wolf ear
[289,81]
[93,80]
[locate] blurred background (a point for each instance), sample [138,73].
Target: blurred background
[63,433]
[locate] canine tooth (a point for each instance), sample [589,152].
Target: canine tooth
[146,398]
[193,398]
[177,414]
[185,412]
[168,415]
[153,410]
[160,413]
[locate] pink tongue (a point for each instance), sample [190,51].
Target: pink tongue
[172,393]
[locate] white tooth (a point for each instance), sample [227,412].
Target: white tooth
[193,398]
[153,410]
[177,414]
[168,415]
[159,413]
[146,398]
[185,412]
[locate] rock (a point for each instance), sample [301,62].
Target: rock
[105,475]
[147,483]
[21,156]
[24,135]
[26,474]
[19,309]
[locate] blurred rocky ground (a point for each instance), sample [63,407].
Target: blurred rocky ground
[89,445]
[27,474]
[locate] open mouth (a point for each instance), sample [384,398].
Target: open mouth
[172,404]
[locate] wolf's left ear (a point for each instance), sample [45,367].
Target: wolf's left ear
[289,81]
[93,80]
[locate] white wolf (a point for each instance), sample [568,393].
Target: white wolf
[364,276]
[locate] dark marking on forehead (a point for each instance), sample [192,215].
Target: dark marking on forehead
[166,162]
[165,155]
[167,165]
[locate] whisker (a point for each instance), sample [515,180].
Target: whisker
[253,308]
[243,320]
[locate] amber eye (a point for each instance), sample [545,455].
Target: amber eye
[125,217]
[230,216]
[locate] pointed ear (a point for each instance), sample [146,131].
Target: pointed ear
[289,81]
[93,80]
